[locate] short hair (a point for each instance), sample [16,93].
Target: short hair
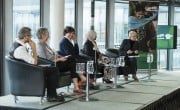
[140,7]
[23,32]
[40,32]
[132,30]
[68,29]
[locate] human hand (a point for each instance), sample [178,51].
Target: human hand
[74,38]
[136,51]
[32,44]
[129,52]
[62,59]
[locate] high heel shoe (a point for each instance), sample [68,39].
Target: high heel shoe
[107,81]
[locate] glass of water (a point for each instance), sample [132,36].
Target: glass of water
[90,67]
[80,68]
[121,61]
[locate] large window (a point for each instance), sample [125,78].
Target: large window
[176,52]
[121,23]
[162,20]
[69,13]
[99,20]
[26,13]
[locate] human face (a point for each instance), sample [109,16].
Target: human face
[70,35]
[94,37]
[28,37]
[132,35]
[45,36]
[139,14]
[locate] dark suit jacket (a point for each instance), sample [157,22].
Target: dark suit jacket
[126,45]
[88,49]
[67,48]
[130,62]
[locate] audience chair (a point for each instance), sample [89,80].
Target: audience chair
[25,79]
[29,80]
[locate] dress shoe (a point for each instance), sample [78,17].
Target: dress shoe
[55,99]
[60,97]
[135,78]
[108,81]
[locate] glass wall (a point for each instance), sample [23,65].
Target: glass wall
[99,20]
[162,53]
[26,13]
[69,13]
[100,23]
[176,52]
[121,23]
[86,16]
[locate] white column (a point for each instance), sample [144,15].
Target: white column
[56,22]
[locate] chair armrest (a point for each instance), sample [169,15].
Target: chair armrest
[44,61]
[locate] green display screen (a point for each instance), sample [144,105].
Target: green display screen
[167,37]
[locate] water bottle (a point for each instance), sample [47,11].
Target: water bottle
[80,68]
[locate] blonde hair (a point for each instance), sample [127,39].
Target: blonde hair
[91,35]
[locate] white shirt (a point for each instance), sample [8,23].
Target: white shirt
[70,40]
[21,52]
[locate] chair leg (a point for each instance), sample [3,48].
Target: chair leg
[15,99]
[68,89]
[41,100]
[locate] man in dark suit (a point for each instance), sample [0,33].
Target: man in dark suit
[129,48]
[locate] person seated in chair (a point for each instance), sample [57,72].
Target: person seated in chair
[90,48]
[19,51]
[64,63]
[130,47]
[69,46]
